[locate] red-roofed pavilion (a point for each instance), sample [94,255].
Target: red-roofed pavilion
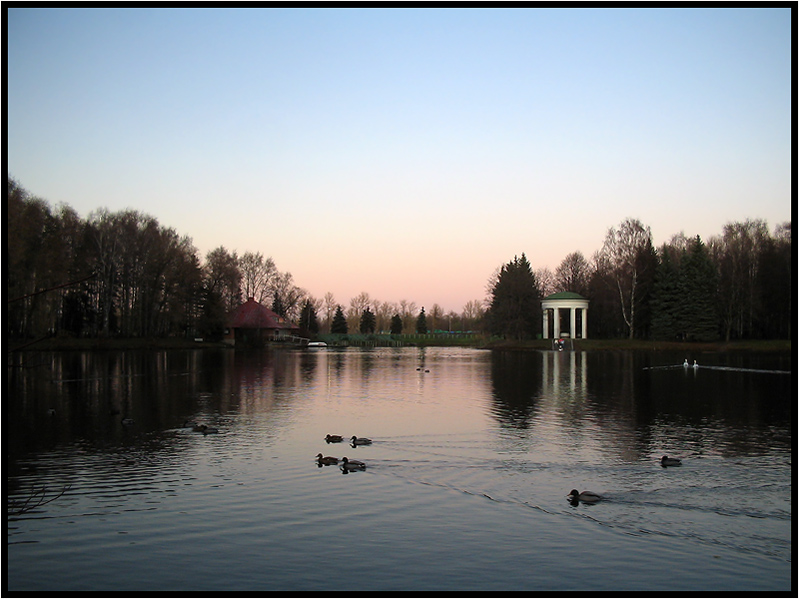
[253,324]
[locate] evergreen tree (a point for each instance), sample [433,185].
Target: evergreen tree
[515,309]
[396,325]
[421,323]
[368,322]
[699,279]
[278,307]
[339,325]
[667,299]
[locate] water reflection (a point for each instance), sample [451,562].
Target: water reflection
[517,381]
[607,397]
[503,435]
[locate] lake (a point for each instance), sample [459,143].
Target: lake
[465,484]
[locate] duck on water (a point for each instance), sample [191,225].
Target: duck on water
[576,497]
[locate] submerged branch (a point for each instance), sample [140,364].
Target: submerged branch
[35,499]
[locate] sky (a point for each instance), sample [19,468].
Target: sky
[405,153]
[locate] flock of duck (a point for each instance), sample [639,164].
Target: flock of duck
[346,463]
[575,496]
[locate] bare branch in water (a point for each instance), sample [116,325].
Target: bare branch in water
[35,499]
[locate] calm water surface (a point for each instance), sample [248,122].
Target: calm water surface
[473,455]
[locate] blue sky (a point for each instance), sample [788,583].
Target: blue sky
[405,153]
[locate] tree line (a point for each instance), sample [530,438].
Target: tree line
[122,274]
[738,285]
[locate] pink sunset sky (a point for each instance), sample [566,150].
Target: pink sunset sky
[405,153]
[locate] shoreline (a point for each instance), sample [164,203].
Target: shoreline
[755,345]
[751,345]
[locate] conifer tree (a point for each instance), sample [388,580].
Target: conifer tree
[666,301]
[339,325]
[421,323]
[515,309]
[368,322]
[698,281]
[278,307]
[396,325]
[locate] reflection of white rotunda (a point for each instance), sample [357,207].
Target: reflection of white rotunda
[565,375]
[555,306]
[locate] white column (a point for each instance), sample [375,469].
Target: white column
[572,322]
[546,323]
[556,314]
[585,323]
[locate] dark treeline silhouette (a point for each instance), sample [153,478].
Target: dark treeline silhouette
[737,286]
[122,274]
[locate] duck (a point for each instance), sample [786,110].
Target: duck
[51,413]
[208,430]
[360,441]
[326,460]
[352,464]
[686,364]
[586,496]
[128,422]
[334,438]
[667,461]
[695,364]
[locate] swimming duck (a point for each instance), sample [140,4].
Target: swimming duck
[128,422]
[686,364]
[334,438]
[326,460]
[667,461]
[51,413]
[360,441]
[208,430]
[586,496]
[352,464]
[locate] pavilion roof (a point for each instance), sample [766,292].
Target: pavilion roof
[252,315]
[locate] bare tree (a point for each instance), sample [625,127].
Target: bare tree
[223,277]
[330,304]
[257,276]
[546,281]
[287,294]
[735,254]
[473,312]
[573,274]
[358,304]
[623,254]
[407,311]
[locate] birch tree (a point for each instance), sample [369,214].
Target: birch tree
[624,255]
